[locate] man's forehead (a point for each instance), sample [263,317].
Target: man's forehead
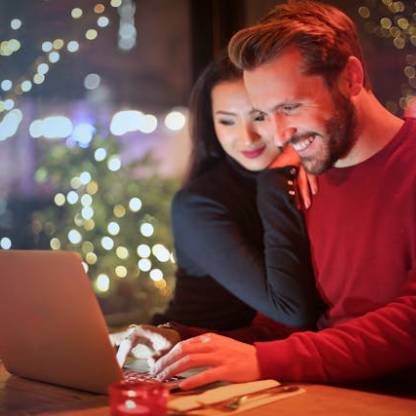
[288,64]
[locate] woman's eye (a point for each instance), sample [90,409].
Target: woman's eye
[226,122]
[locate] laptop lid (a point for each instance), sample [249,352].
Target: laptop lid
[51,326]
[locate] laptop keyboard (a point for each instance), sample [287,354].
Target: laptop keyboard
[134,376]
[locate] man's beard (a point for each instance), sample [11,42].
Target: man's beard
[339,139]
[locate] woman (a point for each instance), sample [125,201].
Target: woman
[235,223]
[240,240]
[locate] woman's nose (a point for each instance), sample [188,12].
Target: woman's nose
[249,135]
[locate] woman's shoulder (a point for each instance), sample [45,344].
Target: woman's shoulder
[215,189]
[209,184]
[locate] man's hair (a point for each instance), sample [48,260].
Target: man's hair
[324,35]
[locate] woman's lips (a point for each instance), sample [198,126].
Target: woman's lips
[252,154]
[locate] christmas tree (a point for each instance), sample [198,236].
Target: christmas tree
[117,218]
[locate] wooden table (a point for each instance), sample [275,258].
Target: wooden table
[22,397]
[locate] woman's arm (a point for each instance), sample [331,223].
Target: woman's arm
[278,282]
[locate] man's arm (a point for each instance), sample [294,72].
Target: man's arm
[375,344]
[372,345]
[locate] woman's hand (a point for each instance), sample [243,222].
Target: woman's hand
[307,184]
[143,342]
[287,157]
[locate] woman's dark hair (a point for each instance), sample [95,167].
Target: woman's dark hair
[205,148]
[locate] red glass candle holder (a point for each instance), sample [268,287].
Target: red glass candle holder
[139,398]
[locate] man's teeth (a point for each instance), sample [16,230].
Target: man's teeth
[303,144]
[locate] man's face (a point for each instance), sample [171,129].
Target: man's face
[301,110]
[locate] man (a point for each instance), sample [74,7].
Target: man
[303,68]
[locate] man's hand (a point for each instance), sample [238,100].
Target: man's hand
[225,359]
[144,342]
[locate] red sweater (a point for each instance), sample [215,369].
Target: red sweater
[362,227]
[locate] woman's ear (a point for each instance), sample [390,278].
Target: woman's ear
[351,79]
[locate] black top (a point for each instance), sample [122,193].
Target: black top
[241,241]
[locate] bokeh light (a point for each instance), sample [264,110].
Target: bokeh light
[146,229]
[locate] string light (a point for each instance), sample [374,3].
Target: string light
[92,81]
[72,197]
[100,154]
[116,3]
[135,204]
[86,200]
[59,199]
[91,34]
[107,243]
[8,104]
[87,213]
[58,44]
[6,85]
[47,46]
[92,188]
[16,24]
[103,21]
[43,68]
[149,123]
[114,163]
[146,229]
[387,20]
[72,46]
[26,86]
[85,178]
[6,243]
[119,211]
[99,8]
[144,265]
[156,275]
[76,13]
[122,252]
[127,31]
[8,47]
[10,124]
[38,79]
[91,258]
[74,236]
[121,271]
[143,250]
[87,246]
[55,243]
[161,253]
[113,228]
[102,283]
[175,120]
[54,57]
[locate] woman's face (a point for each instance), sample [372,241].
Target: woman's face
[238,127]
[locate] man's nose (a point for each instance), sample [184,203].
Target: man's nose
[283,132]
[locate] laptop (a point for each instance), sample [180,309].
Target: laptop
[51,326]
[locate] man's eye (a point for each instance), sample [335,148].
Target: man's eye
[290,107]
[260,117]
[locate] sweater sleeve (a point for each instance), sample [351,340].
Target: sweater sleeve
[213,241]
[287,257]
[377,343]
